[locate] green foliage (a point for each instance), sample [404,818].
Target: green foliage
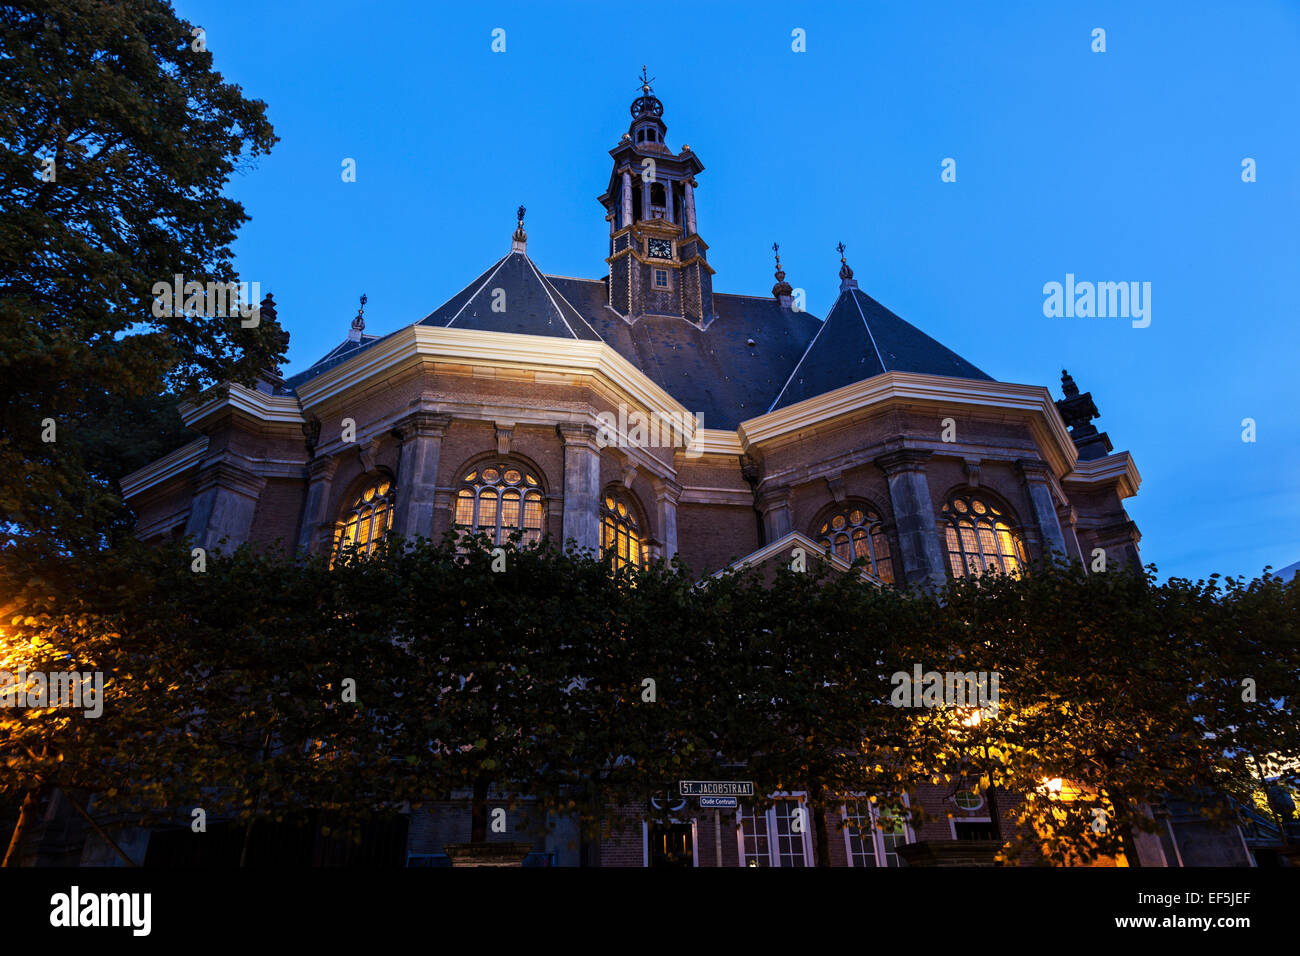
[143,136]
[226,688]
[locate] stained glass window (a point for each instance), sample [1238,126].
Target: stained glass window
[499,498]
[856,532]
[620,532]
[980,537]
[368,519]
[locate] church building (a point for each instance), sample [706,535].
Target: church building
[643,414]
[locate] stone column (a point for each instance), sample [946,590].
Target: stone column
[669,196]
[627,198]
[909,494]
[581,486]
[645,199]
[690,208]
[320,478]
[225,501]
[775,505]
[667,494]
[417,473]
[1035,476]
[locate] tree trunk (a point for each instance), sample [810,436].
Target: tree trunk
[26,824]
[816,798]
[478,811]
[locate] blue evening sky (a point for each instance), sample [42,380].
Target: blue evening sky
[1124,165]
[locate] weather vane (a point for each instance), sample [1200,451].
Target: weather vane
[645,82]
[840,249]
[521,212]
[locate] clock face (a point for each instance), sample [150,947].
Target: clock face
[660,248]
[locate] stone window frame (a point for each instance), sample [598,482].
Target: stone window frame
[882,851]
[998,519]
[657,283]
[357,504]
[883,528]
[469,477]
[771,836]
[634,521]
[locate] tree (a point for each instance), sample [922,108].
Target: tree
[116,140]
[266,685]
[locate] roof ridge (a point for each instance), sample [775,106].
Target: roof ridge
[793,371]
[866,325]
[474,294]
[548,288]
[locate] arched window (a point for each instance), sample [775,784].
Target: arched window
[498,498]
[368,518]
[657,194]
[856,532]
[620,532]
[980,537]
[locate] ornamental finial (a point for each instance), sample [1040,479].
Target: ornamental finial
[520,243]
[647,104]
[846,273]
[359,323]
[782,288]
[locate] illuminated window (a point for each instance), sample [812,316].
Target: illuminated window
[620,532]
[365,523]
[980,538]
[499,498]
[771,838]
[856,532]
[873,833]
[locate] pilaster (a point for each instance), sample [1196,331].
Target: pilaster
[909,495]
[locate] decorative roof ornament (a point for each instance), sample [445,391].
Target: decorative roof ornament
[359,323]
[647,104]
[1077,411]
[782,288]
[520,243]
[846,274]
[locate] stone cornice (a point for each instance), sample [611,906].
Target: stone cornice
[718,441]
[1117,468]
[232,474]
[420,344]
[1033,402]
[165,468]
[279,409]
[902,460]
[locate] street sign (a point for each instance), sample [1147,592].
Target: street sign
[715,788]
[717,803]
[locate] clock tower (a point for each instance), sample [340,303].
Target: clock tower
[657,261]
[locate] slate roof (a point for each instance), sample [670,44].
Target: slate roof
[713,371]
[528,304]
[335,356]
[860,339]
